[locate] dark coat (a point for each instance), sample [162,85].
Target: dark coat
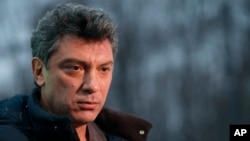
[22,119]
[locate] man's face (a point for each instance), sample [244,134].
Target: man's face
[78,78]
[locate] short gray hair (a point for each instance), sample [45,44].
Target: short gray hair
[76,19]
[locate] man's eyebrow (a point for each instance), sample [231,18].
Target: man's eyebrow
[108,63]
[65,61]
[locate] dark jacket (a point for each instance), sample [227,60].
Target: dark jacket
[22,119]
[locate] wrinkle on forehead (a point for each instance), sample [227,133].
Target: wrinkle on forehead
[87,50]
[93,44]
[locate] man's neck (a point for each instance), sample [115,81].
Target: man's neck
[82,132]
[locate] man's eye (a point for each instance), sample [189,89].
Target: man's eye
[105,69]
[73,67]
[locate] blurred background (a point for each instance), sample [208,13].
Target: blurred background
[183,65]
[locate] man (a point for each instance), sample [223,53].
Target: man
[73,51]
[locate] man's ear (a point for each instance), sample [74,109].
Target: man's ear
[37,69]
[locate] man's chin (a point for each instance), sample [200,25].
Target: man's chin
[84,118]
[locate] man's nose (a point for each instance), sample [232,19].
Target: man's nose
[90,83]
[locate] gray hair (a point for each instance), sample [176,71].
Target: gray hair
[73,19]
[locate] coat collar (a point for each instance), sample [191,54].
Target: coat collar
[111,122]
[46,123]
[124,125]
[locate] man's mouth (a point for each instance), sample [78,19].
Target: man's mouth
[87,105]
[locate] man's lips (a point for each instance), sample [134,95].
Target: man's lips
[87,105]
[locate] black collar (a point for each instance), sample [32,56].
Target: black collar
[46,124]
[112,122]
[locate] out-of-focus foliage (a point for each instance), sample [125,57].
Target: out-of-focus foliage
[183,65]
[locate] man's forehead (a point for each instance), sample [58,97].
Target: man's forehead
[74,41]
[75,48]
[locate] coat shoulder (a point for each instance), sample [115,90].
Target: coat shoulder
[10,133]
[13,119]
[11,109]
